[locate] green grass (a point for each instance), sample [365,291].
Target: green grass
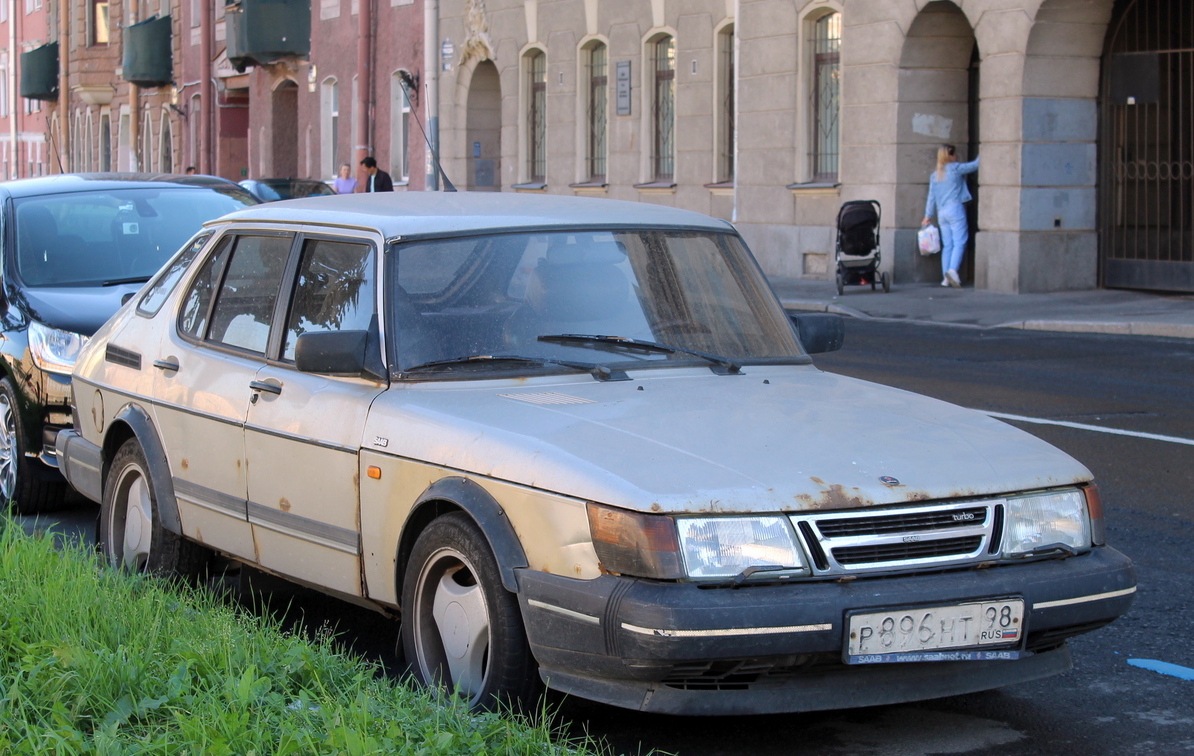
[93,661]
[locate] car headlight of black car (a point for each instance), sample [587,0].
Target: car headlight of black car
[54,350]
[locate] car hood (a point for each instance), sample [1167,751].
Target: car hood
[786,438]
[79,309]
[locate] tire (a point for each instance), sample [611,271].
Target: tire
[24,482]
[886,283]
[483,654]
[841,282]
[131,536]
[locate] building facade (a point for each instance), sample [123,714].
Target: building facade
[768,113]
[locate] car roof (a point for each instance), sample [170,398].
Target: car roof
[408,214]
[91,182]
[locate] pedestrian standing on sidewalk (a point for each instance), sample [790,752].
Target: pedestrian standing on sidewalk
[345,183]
[948,194]
[376,180]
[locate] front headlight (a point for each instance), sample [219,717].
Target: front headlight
[723,547]
[53,350]
[1036,522]
[663,547]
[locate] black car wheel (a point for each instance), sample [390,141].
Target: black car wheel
[21,483]
[131,535]
[461,630]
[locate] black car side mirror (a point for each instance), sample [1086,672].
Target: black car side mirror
[337,353]
[819,331]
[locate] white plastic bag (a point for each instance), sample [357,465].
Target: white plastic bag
[929,240]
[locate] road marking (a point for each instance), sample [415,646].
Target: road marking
[1096,428]
[1165,668]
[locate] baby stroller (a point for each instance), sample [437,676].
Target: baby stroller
[857,253]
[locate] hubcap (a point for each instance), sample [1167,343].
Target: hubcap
[132,521]
[8,450]
[452,626]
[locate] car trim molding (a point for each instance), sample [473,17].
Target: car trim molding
[1084,599]
[727,632]
[209,498]
[332,536]
[302,439]
[590,619]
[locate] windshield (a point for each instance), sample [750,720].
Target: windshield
[635,299]
[107,237]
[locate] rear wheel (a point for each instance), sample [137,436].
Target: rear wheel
[461,630]
[131,535]
[22,481]
[841,282]
[886,278]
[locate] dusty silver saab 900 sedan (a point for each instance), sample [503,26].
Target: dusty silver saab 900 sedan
[577,443]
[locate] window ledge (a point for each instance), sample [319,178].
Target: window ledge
[721,188]
[816,188]
[657,187]
[531,186]
[589,187]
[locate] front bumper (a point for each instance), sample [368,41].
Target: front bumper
[683,649]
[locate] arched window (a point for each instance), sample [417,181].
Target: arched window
[148,162]
[663,108]
[536,120]
[597,99]
[399,127]
[166,150]
[825,90]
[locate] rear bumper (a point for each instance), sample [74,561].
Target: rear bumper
[682,649]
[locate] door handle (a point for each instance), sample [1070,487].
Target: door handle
[259,386]
[168,365]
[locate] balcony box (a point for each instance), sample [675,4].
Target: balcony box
[39,73]
[266,31]
[148,60]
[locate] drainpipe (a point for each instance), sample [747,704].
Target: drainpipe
[431,97]
[134,105]
[364,82]
[12,88]
[64,118]
[737,99]
[206,88]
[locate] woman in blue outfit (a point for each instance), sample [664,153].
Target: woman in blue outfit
[948,194]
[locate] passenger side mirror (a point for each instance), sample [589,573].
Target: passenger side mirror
[335,353]
[819,331]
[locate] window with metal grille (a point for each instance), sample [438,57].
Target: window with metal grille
[725,155]
[598,97]
[826,95]
[536,67]
[664,109]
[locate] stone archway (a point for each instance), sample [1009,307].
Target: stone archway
[483,129]
[938,98]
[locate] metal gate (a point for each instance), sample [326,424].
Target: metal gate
[1147,147]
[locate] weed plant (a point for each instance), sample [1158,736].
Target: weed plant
[96,661]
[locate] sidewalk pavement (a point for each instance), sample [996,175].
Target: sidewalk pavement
[1114,311]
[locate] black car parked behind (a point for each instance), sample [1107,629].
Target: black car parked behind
[73,248]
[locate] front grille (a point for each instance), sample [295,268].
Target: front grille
[907,538]
[851,555]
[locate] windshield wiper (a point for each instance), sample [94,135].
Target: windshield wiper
[600,372]
[623,342]
[129,280]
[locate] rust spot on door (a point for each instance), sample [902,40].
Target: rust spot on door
[284,504]
[185,463]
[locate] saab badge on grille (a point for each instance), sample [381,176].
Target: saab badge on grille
[887,480]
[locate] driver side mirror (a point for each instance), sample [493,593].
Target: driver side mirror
[338,353]
[819,332]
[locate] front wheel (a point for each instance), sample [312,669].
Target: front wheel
[131,535]
[461,630]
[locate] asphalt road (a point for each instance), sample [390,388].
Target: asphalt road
[1104,386]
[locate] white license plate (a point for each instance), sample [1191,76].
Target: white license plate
[919,634]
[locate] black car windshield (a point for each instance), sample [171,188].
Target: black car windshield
[627,299]
[109,237]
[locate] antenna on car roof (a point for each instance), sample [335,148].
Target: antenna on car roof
[411,86]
